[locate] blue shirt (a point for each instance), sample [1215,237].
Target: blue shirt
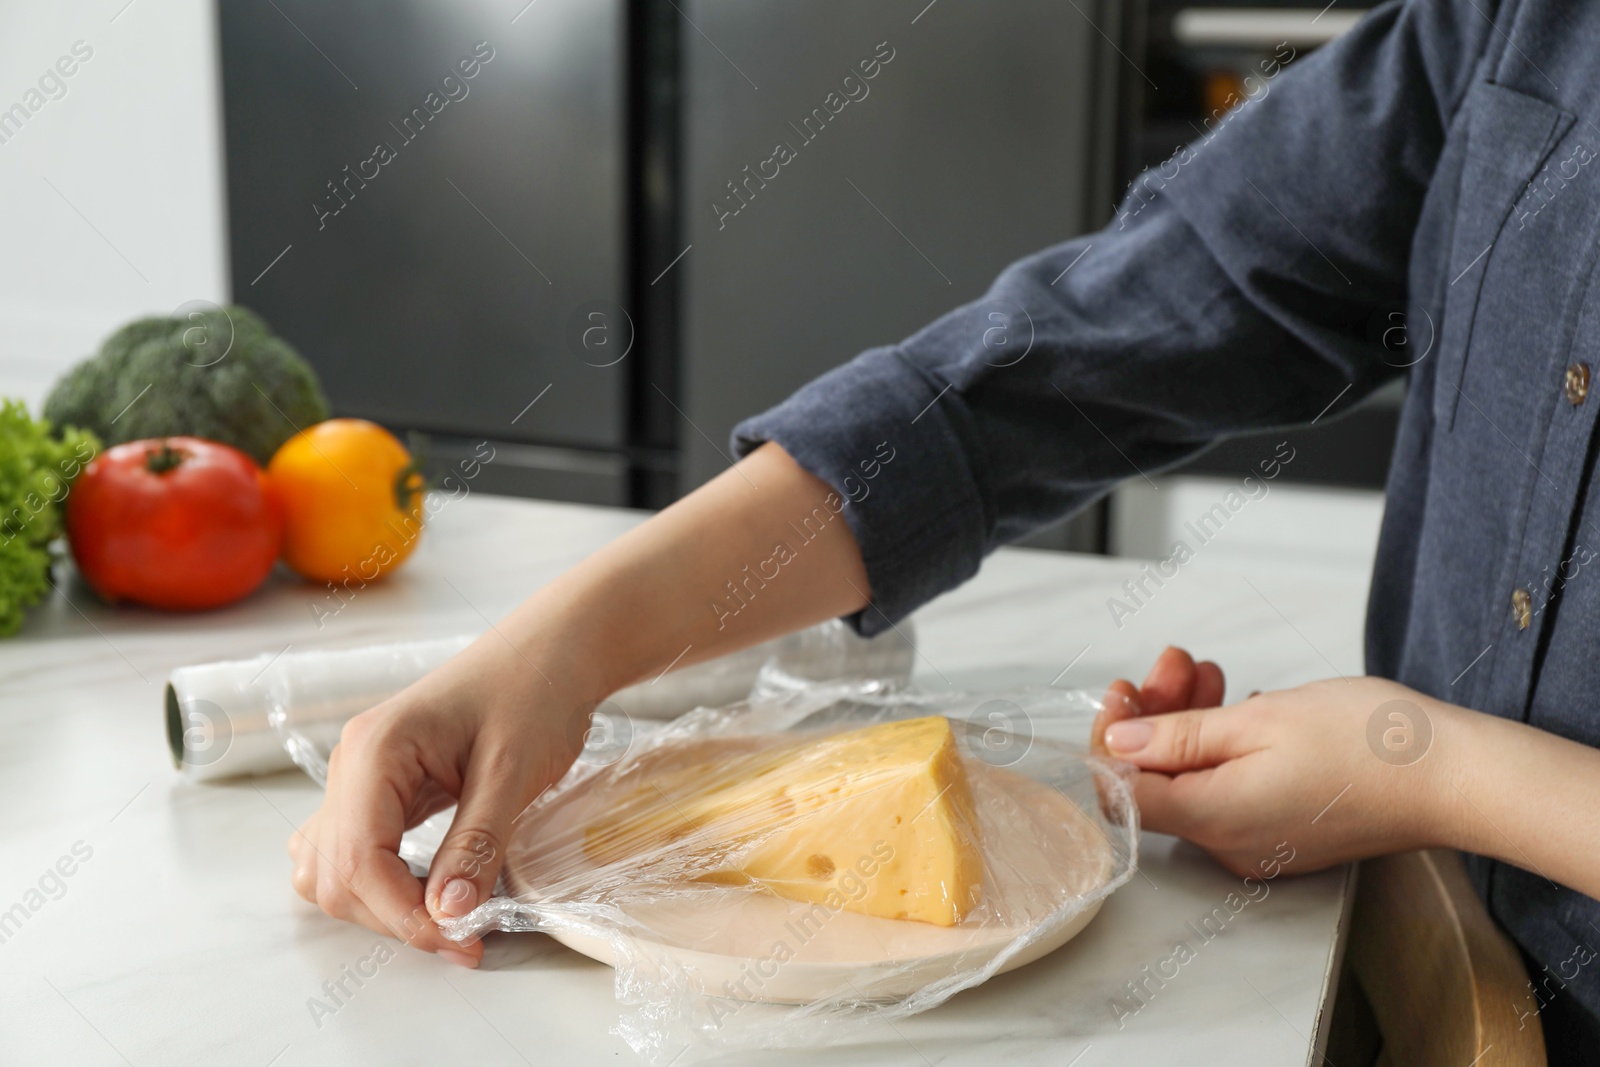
[1419,198]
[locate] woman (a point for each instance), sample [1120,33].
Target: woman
[1434,160]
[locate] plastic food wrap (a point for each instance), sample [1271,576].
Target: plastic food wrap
[780,872]
[261,715]
[219,715]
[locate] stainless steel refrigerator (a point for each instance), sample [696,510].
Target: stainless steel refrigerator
[640,220]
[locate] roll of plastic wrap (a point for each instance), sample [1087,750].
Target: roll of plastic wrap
[219,715]
[261,715]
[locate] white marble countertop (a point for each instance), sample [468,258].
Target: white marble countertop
[176,939]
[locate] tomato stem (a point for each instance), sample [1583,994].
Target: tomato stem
[163,459]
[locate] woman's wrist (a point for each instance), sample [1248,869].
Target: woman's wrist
[1453,739]
[1473,760]
[535,661]
[568,630]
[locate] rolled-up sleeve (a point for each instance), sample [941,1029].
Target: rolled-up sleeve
[1232,293]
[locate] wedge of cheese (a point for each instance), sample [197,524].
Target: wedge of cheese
[878,820]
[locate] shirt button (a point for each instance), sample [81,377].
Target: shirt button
[1577,384]
[1522,608]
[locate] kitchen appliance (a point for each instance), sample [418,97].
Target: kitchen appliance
[573,253]
[429,199]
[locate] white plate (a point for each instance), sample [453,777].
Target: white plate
[1042,856]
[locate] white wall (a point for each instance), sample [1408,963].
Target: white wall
[135,146]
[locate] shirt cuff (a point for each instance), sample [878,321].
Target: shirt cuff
[894,441]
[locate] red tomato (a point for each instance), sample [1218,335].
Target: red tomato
[174,522]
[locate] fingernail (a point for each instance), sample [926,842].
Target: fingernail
[460,959]
[1130,735]
[459,897]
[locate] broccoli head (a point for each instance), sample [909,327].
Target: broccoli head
[218,373]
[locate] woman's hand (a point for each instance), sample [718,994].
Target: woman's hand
[1290,766]
[505,719]
[485,732]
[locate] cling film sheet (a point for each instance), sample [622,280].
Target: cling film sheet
[785,871]
[283,708]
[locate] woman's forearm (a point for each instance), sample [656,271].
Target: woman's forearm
[760,550]
[1519,794]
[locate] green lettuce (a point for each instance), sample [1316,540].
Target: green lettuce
[37,470]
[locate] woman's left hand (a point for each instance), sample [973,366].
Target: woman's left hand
[1293,766]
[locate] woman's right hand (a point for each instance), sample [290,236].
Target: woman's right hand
[495,726]
[486,732]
